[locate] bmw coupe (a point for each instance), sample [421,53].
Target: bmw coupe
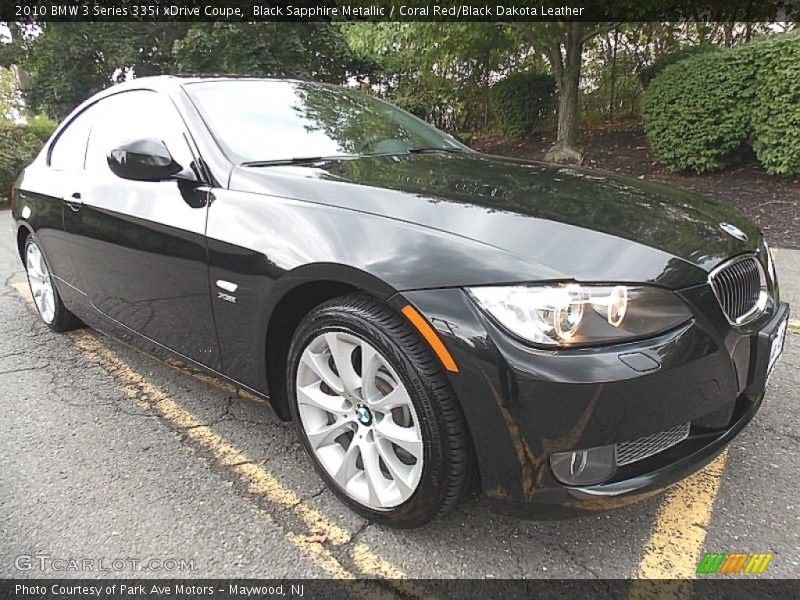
[430,317]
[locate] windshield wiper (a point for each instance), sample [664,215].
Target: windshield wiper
[283,161]
[304,160]
[435,150]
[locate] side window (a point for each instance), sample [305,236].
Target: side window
[135,115]
[69,150]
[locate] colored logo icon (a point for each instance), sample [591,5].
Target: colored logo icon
[736,562]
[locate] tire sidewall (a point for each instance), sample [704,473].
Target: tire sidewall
[431,485]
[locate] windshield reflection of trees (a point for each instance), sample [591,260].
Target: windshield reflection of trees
[358,123]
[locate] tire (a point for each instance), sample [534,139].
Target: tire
[400,485]
[44,292]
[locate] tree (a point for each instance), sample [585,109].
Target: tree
[63,63]
[563,43]
[301,50]
[11,104]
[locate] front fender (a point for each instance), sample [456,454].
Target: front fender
[268,247]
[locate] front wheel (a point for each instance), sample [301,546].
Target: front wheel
[376,413]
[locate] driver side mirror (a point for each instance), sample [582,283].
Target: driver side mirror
[143,160]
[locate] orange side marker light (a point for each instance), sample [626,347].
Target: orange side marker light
[418,321]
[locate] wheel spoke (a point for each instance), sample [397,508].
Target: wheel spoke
[376,482]
[342,351]
[328,433]
[397,469]
[318,363]
[347,470]
[405,437]
[42,265]
[312,395]
[370,363]
[397,397]
[33,262]
[33,271]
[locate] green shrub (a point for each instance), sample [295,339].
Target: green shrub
[697,112]
[41,126]
[19,144]
[647,74]
[701,112]
[521,101]
[776,110]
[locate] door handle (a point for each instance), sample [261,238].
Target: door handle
[74,207]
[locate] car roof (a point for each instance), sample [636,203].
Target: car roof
[171,84]
[172,81]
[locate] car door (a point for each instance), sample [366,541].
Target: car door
[140,251]
[45,189]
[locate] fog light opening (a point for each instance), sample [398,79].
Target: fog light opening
[584,467]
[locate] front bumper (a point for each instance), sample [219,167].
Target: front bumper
[522,404]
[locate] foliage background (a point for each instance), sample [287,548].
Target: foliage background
[705,112]
[466,78]
[18,145]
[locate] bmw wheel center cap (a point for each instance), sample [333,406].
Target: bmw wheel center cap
[364,415]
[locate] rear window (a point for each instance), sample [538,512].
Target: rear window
[68,152]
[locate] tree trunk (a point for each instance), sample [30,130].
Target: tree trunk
[567,70]
[613,95]
[568,109]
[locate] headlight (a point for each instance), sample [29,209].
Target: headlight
[570,314]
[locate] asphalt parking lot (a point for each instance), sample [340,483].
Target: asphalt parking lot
[109,454]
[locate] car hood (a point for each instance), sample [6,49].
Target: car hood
[576,222]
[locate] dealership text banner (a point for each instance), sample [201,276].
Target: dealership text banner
[508,589]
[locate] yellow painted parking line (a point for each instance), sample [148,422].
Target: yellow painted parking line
[320,533]
[794,325]
[680,528]
[257,480]
[220,384]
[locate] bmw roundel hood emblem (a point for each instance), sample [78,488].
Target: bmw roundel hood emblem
[734,231]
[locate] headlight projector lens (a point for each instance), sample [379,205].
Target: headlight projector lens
[570,314]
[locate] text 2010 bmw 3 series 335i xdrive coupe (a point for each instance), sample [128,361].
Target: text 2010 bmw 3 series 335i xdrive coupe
[428,316]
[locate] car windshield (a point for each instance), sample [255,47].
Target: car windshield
[279,121]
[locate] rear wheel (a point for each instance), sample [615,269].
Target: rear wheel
[376,413]
[45,295]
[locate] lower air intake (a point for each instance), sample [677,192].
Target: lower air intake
[631,452]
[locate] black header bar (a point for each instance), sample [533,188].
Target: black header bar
[399,10]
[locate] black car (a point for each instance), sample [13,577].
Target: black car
[427,315]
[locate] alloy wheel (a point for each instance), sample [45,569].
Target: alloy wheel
[41,283]
[359,420]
